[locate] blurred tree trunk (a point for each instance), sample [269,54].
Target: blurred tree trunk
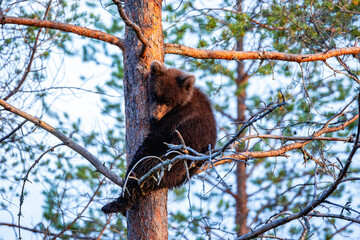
[148,219]
[241,177]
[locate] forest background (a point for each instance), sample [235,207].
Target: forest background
[291,103]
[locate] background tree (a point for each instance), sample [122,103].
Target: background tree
[320,97]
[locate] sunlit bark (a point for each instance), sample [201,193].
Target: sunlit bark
[148,219]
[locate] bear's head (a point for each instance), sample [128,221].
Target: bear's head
[169,88]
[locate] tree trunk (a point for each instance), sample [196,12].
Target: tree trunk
[241,177]
[148,219]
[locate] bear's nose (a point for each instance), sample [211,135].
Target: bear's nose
[157,111]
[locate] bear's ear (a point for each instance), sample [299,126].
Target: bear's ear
[157,68]
[186,81]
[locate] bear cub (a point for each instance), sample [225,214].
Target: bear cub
[175,104]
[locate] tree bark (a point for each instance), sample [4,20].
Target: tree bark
[241,177]
[148,219]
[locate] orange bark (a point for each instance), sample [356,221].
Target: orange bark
[148,218]
[260,55]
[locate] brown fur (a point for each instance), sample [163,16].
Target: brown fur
[186,109]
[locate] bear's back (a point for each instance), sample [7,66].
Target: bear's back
[195,121]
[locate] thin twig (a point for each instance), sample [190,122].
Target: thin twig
[26,178]
[13,131]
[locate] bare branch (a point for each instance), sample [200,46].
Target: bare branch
[252,120]
[345,207]
[105,226]
[68,141]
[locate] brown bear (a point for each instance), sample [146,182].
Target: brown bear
[175,104]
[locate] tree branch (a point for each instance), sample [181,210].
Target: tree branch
[259,55]
[82,31]
[68,141]
[181,49]
[295,138]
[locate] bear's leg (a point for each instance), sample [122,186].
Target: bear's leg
[120,205]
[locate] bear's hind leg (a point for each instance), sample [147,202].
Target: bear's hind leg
[120,205]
